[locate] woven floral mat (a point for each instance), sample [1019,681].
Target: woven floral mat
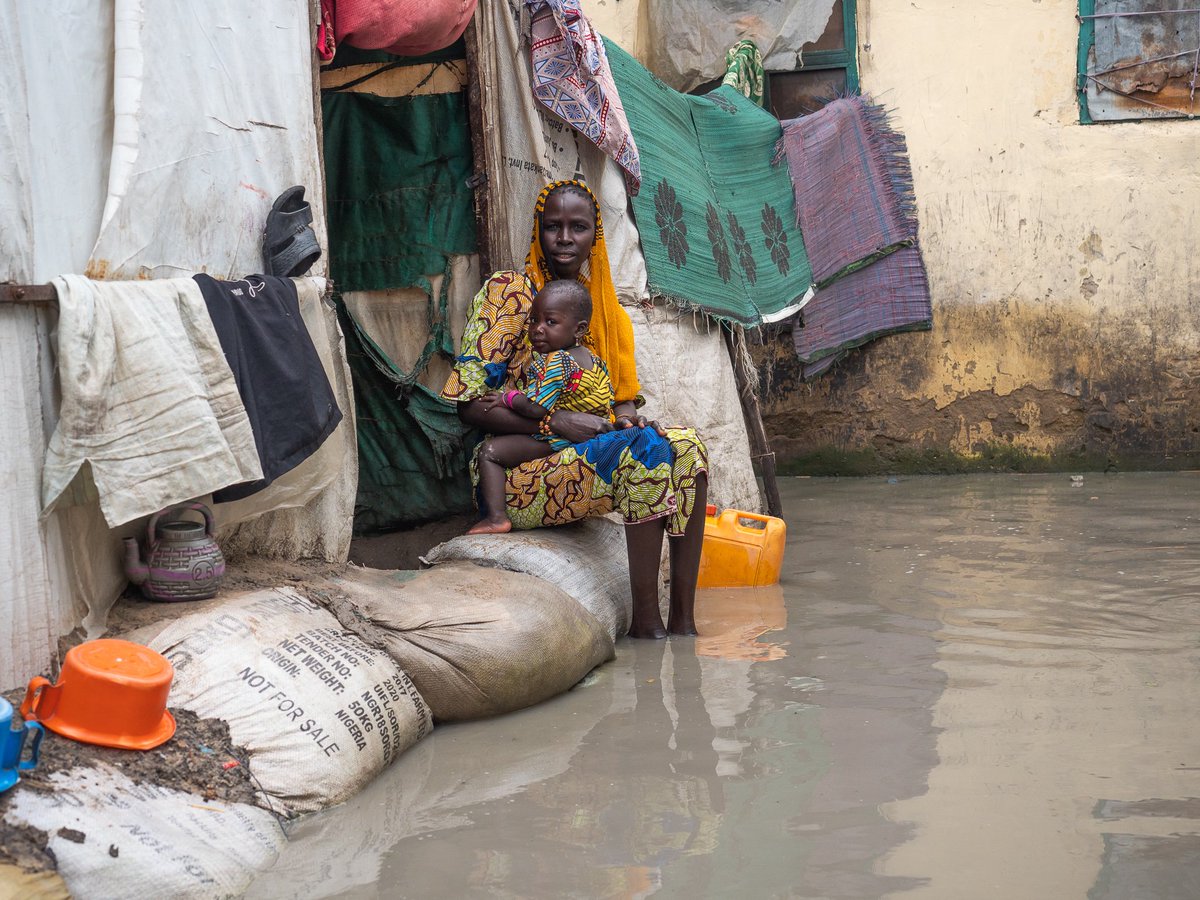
[716,215]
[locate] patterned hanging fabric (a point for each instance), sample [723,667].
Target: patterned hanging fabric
[744,70]
[571,78]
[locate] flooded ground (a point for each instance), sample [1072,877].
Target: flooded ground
[964,687]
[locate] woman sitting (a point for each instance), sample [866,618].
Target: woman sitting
[606,468]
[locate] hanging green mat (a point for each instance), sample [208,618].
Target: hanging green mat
[396,173]
[413,460]
[716,215]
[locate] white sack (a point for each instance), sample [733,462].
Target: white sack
[146,840]
[701,393]
[320,712]
[213,119]
[148,400]
[308,512]
[689,38]
[586,560]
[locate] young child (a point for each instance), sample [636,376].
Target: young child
[563,375]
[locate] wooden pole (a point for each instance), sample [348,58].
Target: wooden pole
[314,21]
[479,180]
[28,293]
[759,445]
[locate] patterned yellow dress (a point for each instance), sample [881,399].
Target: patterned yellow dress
[629,470]
[556,381]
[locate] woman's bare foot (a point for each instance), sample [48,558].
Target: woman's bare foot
[487,526]
[651,630]
[648,625]
[682,625]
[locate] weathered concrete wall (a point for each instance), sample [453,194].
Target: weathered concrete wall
[1059,255]
[1060,258]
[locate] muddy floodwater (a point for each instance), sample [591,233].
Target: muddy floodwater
[963,687]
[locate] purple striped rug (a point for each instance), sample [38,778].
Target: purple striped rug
[855,206]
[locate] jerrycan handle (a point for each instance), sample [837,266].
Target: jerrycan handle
[38,733]
[732,518]
[36,684]
[209,527]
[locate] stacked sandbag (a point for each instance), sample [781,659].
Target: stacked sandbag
[475,641]
[344,848]
[320,712]
[112,837]
[587,560]
[347,846]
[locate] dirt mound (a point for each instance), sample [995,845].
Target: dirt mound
[200,758]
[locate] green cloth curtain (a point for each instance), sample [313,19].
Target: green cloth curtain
[396,173]
[413,451]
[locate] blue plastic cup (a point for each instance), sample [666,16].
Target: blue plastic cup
[12,745]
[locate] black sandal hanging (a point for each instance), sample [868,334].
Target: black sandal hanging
[289,243]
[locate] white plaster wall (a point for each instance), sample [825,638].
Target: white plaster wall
[1019,204]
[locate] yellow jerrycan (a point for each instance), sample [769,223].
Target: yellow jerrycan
[741,549]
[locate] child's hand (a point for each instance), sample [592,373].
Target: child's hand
[490,401]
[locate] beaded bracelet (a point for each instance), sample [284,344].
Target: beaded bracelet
[544,425]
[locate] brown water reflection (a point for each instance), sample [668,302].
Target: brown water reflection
[964,687]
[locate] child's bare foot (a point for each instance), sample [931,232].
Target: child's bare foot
[487,526]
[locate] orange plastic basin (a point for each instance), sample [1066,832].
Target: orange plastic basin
[741,549]
[109,692]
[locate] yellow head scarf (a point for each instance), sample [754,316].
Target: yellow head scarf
[610,333]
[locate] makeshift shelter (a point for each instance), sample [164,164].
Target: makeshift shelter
[163,189]
[121,179]
[139,144]
[403,315]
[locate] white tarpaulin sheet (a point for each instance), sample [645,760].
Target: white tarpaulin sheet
[689,38]
[171,172]
[213,119]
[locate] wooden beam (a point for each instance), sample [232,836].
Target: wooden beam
[760,447]
[28,293]
[479,181]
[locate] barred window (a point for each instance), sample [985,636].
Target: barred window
[1138,59]
[829,69]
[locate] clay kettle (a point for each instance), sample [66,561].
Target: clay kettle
[182,559]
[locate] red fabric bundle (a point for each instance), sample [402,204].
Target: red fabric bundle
[403,27]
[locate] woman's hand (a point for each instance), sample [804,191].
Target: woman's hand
[636,421]
[490,400]
[578,427]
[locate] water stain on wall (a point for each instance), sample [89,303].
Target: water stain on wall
[1021,384]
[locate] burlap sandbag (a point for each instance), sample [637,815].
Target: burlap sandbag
[475,641]
[587,560]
